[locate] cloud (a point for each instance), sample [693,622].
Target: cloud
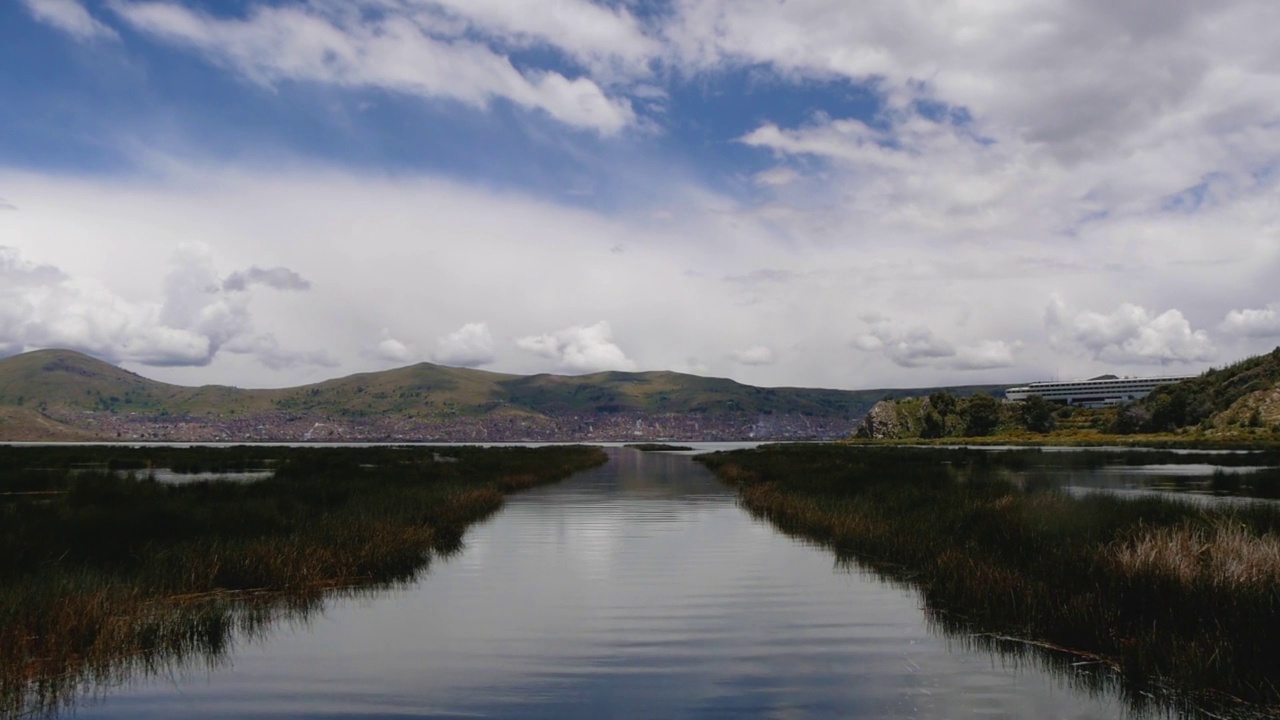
[43,307]
[598,36]
[755,355]
[70,17]
[391,46]
[1189,68]
[580,348]
[6,205]
[910,347]
[776,177]
[917,346]
[392,350]
[267,350]
[469,346]
[681,289]
[986,355]
[1249,323]
[1128,335]
[280,278]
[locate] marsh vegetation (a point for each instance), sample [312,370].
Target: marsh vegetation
[1181,600]
[103,569]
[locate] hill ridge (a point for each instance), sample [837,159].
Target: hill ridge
[422,401]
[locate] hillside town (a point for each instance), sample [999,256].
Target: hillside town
[583,427]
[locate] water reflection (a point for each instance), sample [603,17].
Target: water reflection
[1193,482]
[170,639]
[169,477]
[639,590]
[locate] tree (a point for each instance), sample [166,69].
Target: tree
[982,415]
[944,402]
[1037,414]
[932,424]
[1130,419]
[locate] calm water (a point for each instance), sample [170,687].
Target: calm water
[636,590]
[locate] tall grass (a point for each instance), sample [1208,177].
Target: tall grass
[112,570]
[1167,593]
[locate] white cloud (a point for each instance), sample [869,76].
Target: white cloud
[755,355]
[1250,323]
[44,307]
[469,346]
[708,279]
[392,350]
[776,177]
[1130,334]
[580,348]
[916,346]
[598,36]
[389,47]
[70,17]
[909,347]
[986,355]
[1045,71]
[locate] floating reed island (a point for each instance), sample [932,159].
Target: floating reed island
[105,571]
[1178,596]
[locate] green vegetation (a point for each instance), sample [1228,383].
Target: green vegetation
[1168,594]
[657,447]
[1241,399]
[941,415]
[1238,405]
[102,565]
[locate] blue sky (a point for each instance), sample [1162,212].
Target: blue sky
[808,193]
[91,103]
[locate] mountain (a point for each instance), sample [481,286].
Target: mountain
[61,394]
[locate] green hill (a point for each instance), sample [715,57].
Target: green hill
[1243,396]
[1240,402]
[67,394]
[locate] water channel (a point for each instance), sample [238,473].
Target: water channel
[639,589]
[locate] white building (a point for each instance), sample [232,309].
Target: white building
[1098,392]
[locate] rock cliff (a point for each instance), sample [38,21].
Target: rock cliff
[881,423]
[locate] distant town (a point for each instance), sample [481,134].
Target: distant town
[599,427]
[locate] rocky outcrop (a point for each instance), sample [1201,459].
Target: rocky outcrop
[881,423]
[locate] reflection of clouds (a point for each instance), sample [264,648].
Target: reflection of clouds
[592,541]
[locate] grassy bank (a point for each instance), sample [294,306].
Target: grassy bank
[1090,438]
[1169,593]
[100,564]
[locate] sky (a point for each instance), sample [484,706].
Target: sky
[816,193]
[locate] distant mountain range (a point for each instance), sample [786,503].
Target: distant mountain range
[65,395]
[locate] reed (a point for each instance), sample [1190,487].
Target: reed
[113,567]
[1167,593]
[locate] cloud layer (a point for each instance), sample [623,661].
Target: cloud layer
[1015,190]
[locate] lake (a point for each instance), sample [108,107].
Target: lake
[639,589]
